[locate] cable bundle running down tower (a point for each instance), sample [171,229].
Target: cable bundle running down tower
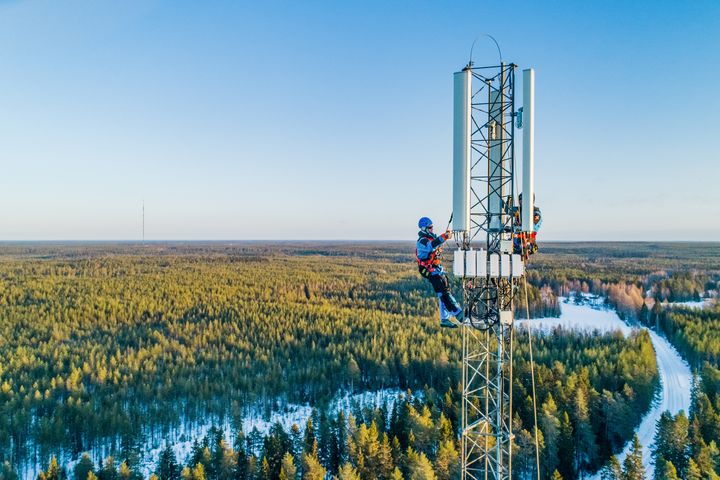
[486,221]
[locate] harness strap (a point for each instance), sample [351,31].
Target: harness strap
[428,265]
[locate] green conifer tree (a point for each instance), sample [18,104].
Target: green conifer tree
[265,472]
[53,472]
[109,470]
[83,467]
[167,468]
[566,448]
[633,468]
[312,469]
[418,466]
[198,472]
[7,472]
[666,470]
[288,470]
[447,463]
[550,426]
[693,471]
[124,473]
[347,472]
[612,470]
[309,441]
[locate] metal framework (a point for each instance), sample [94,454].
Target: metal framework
[488,329]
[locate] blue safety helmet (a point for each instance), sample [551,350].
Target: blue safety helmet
[424,223]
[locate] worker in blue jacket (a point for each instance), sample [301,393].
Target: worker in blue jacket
[427,252]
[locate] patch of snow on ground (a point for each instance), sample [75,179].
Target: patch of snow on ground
[701,304]
[587,313]
[181,444]
[291,414]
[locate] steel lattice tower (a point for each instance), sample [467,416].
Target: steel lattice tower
[487,333]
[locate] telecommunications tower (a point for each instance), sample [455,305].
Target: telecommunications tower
[485,222]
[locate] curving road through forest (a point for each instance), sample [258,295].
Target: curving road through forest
[675,375]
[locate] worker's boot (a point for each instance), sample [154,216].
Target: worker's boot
[447,323]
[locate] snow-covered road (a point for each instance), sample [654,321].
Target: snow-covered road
[674,372]
[675,395]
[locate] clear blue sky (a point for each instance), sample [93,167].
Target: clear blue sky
[315,120]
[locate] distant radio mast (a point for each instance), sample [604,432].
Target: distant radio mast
[143,221]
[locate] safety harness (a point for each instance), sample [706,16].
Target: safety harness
[427,266]
[525,243]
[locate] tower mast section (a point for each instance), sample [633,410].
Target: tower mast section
[484,208]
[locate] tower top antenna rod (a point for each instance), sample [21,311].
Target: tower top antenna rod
[470,62]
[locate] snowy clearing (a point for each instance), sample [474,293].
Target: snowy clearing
[701,304]
[589,314]
[290,414]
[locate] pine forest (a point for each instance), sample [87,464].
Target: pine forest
[112,355]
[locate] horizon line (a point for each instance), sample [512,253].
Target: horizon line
[317,240]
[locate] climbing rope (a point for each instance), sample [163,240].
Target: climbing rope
[530,345]
[532,372]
